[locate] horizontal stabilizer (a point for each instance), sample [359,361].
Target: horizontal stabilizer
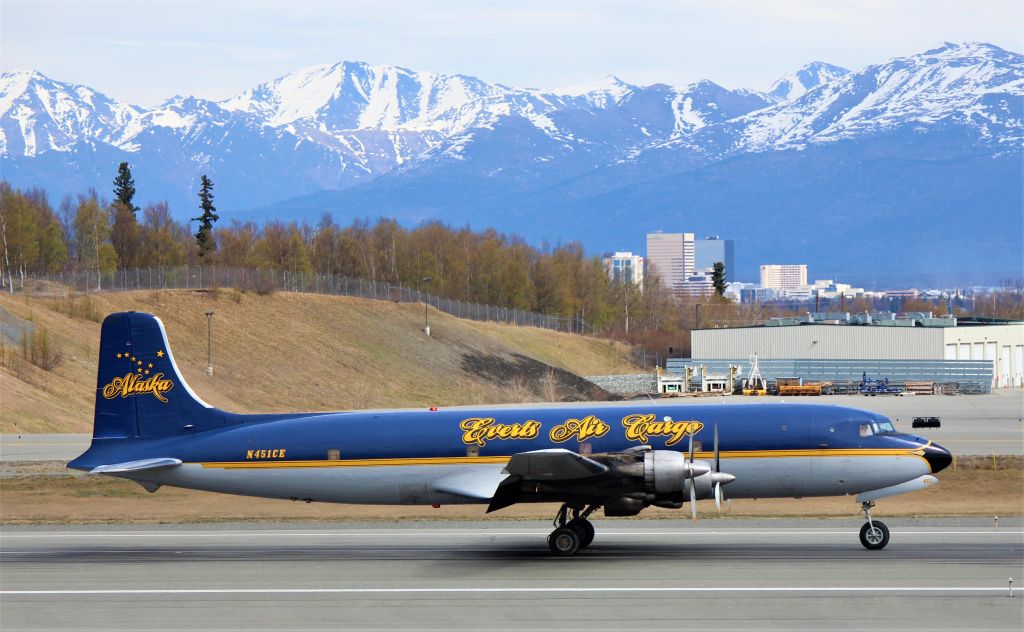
[477,482]
[135,466]
[553,465]
[923,482]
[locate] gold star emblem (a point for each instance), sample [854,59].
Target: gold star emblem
[133,358]
[159,354]
[150,366]
[146,371]
[119,356]
[140,363]
[139,369]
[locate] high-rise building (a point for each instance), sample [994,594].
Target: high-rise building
[784,277]
[697,285]
[711,249]
[625,267]
[671,255]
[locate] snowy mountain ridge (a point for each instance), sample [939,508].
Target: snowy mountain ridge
[336,125]
[813,74]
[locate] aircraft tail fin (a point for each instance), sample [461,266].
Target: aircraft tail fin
[140,392]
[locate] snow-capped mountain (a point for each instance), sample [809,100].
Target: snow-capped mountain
[813,74]
[977,87]
[38,114]
[362,139]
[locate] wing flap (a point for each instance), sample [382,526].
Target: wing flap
[135,466]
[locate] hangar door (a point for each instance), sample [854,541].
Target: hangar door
[1018,365]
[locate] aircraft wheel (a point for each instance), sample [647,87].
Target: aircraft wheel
[585,529]
[874,536]
[564,541]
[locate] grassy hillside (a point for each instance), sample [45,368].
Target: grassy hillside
[290,352]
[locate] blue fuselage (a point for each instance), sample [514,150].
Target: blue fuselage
[774,450]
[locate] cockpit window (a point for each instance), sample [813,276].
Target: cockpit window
[885,426]
[865,430]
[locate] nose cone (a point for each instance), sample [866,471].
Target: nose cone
[938,457]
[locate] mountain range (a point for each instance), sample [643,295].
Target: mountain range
[904,172]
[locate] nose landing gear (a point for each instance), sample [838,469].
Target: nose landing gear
[573,534]
[874,535]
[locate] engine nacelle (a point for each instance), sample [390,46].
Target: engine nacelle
[703,487]
[623,506]
[665,472]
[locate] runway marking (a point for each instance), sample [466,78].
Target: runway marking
[402,533]
[512,589]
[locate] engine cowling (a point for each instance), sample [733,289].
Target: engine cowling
[665,472]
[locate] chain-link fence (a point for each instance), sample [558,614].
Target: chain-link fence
[266,281]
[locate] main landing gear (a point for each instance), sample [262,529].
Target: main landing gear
[874,535]
[571,534]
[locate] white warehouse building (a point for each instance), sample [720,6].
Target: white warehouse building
[924,338]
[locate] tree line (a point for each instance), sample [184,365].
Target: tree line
[88,232]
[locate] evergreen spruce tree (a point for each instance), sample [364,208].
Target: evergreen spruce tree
[125,231]
[204,236]
[124,187]
[718,278]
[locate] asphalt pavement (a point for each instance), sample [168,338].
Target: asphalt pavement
[644,575]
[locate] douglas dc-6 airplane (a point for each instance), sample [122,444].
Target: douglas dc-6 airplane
[150,427]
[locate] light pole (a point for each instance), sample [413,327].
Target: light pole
[426,314]
[209,343]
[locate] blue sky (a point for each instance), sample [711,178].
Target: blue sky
[146,51]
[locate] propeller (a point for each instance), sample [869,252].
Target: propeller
[718,468]
[689,482]
[718,477]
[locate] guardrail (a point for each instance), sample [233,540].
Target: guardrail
[262,280]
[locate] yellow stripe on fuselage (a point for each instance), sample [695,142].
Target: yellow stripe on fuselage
[479,460]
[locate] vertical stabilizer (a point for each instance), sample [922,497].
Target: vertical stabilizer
[140,392]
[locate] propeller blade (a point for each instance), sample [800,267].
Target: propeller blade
[693,499]
[717,463]
[718,498]
[691,448]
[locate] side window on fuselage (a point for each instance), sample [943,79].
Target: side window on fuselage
[864,430]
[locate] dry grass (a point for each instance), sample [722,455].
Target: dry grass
[76,499]
[290,352]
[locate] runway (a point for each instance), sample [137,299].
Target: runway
[648,575]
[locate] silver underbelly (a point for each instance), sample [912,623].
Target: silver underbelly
[775,477]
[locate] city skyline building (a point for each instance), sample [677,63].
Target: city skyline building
[784,276]
[672,257]
[625,267]
[712,249]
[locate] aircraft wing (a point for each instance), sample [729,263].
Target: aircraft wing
[483,481]
[553,465]
[479,481]
[542,466]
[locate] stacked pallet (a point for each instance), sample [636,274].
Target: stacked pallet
[805,389]
[920,388]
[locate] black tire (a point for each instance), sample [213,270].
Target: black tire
[585,529]
[874,539]
[564,541]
